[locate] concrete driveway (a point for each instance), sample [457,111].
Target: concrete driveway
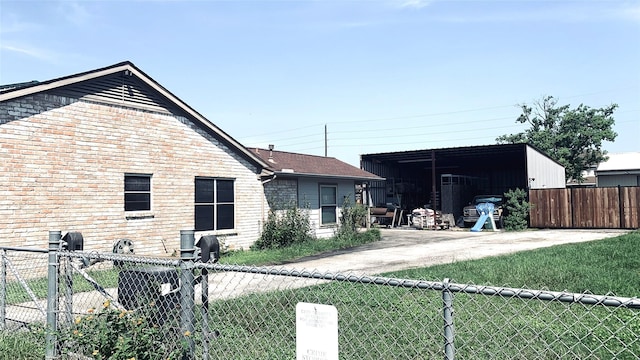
[407,248]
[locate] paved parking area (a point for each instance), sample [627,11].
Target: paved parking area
[405,248]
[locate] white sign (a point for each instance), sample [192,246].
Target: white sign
[316,332]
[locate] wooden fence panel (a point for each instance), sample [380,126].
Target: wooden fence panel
[550,208]
[631,207]
[587,208]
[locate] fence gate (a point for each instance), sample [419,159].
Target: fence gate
[23,287]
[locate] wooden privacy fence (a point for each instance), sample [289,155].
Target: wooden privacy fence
[602,208]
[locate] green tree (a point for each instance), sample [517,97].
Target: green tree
[572,137]
[516,210]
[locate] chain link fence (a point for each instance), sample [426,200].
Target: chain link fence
[23,287]
[159,308]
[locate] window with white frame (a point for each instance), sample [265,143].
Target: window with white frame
[214,204]
[328,204]
[137,192]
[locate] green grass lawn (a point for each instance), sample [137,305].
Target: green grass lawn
[609,266]
[382,322]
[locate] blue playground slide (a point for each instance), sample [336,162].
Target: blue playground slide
[480,223]
[485,210]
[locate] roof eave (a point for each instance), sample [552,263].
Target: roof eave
[45,86]
[341,177]
[618,172]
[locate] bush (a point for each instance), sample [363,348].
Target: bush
[352,217]
[283,228]
[516,209]
[121,334]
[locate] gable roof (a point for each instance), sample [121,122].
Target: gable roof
[127,69]
[303,165]
[620,162]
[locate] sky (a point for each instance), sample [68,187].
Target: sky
[347,77]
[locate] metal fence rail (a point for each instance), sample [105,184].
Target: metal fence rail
[174,307]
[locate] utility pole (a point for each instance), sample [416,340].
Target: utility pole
[325,140]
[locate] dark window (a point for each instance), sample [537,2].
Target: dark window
[137,192]
[328,204]
[214,204]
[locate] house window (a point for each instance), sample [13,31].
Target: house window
[214,204]
[328,204]
[137,192]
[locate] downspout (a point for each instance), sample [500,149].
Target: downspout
[270,179]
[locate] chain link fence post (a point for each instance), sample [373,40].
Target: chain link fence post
[449,336]
[52,295]
[205,313]
[187,292]
[3,289]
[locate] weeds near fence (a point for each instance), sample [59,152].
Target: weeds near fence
[109,333]
[23,344]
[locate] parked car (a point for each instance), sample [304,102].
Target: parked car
[470,214]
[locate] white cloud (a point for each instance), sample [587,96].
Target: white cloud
[26,50]
[416,4]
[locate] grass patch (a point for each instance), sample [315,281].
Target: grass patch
[609,266]
[296,251]
[23,345]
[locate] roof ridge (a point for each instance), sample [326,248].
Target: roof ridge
[291,152]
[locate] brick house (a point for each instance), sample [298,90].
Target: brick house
[320,184]
[114,155]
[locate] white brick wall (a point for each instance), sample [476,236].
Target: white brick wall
[63,166]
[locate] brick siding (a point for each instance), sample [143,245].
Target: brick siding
[281,193]
[63,166]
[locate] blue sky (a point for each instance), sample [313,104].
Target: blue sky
[382,75]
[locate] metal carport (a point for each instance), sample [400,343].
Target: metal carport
[450,177]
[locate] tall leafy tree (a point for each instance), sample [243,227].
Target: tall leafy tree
[572,137]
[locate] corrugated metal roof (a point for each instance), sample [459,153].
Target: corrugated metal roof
[295,164]
[621,161]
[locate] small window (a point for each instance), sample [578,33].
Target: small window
[328,204]
[214,204]
[137,192]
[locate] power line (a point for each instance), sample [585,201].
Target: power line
[315,125]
